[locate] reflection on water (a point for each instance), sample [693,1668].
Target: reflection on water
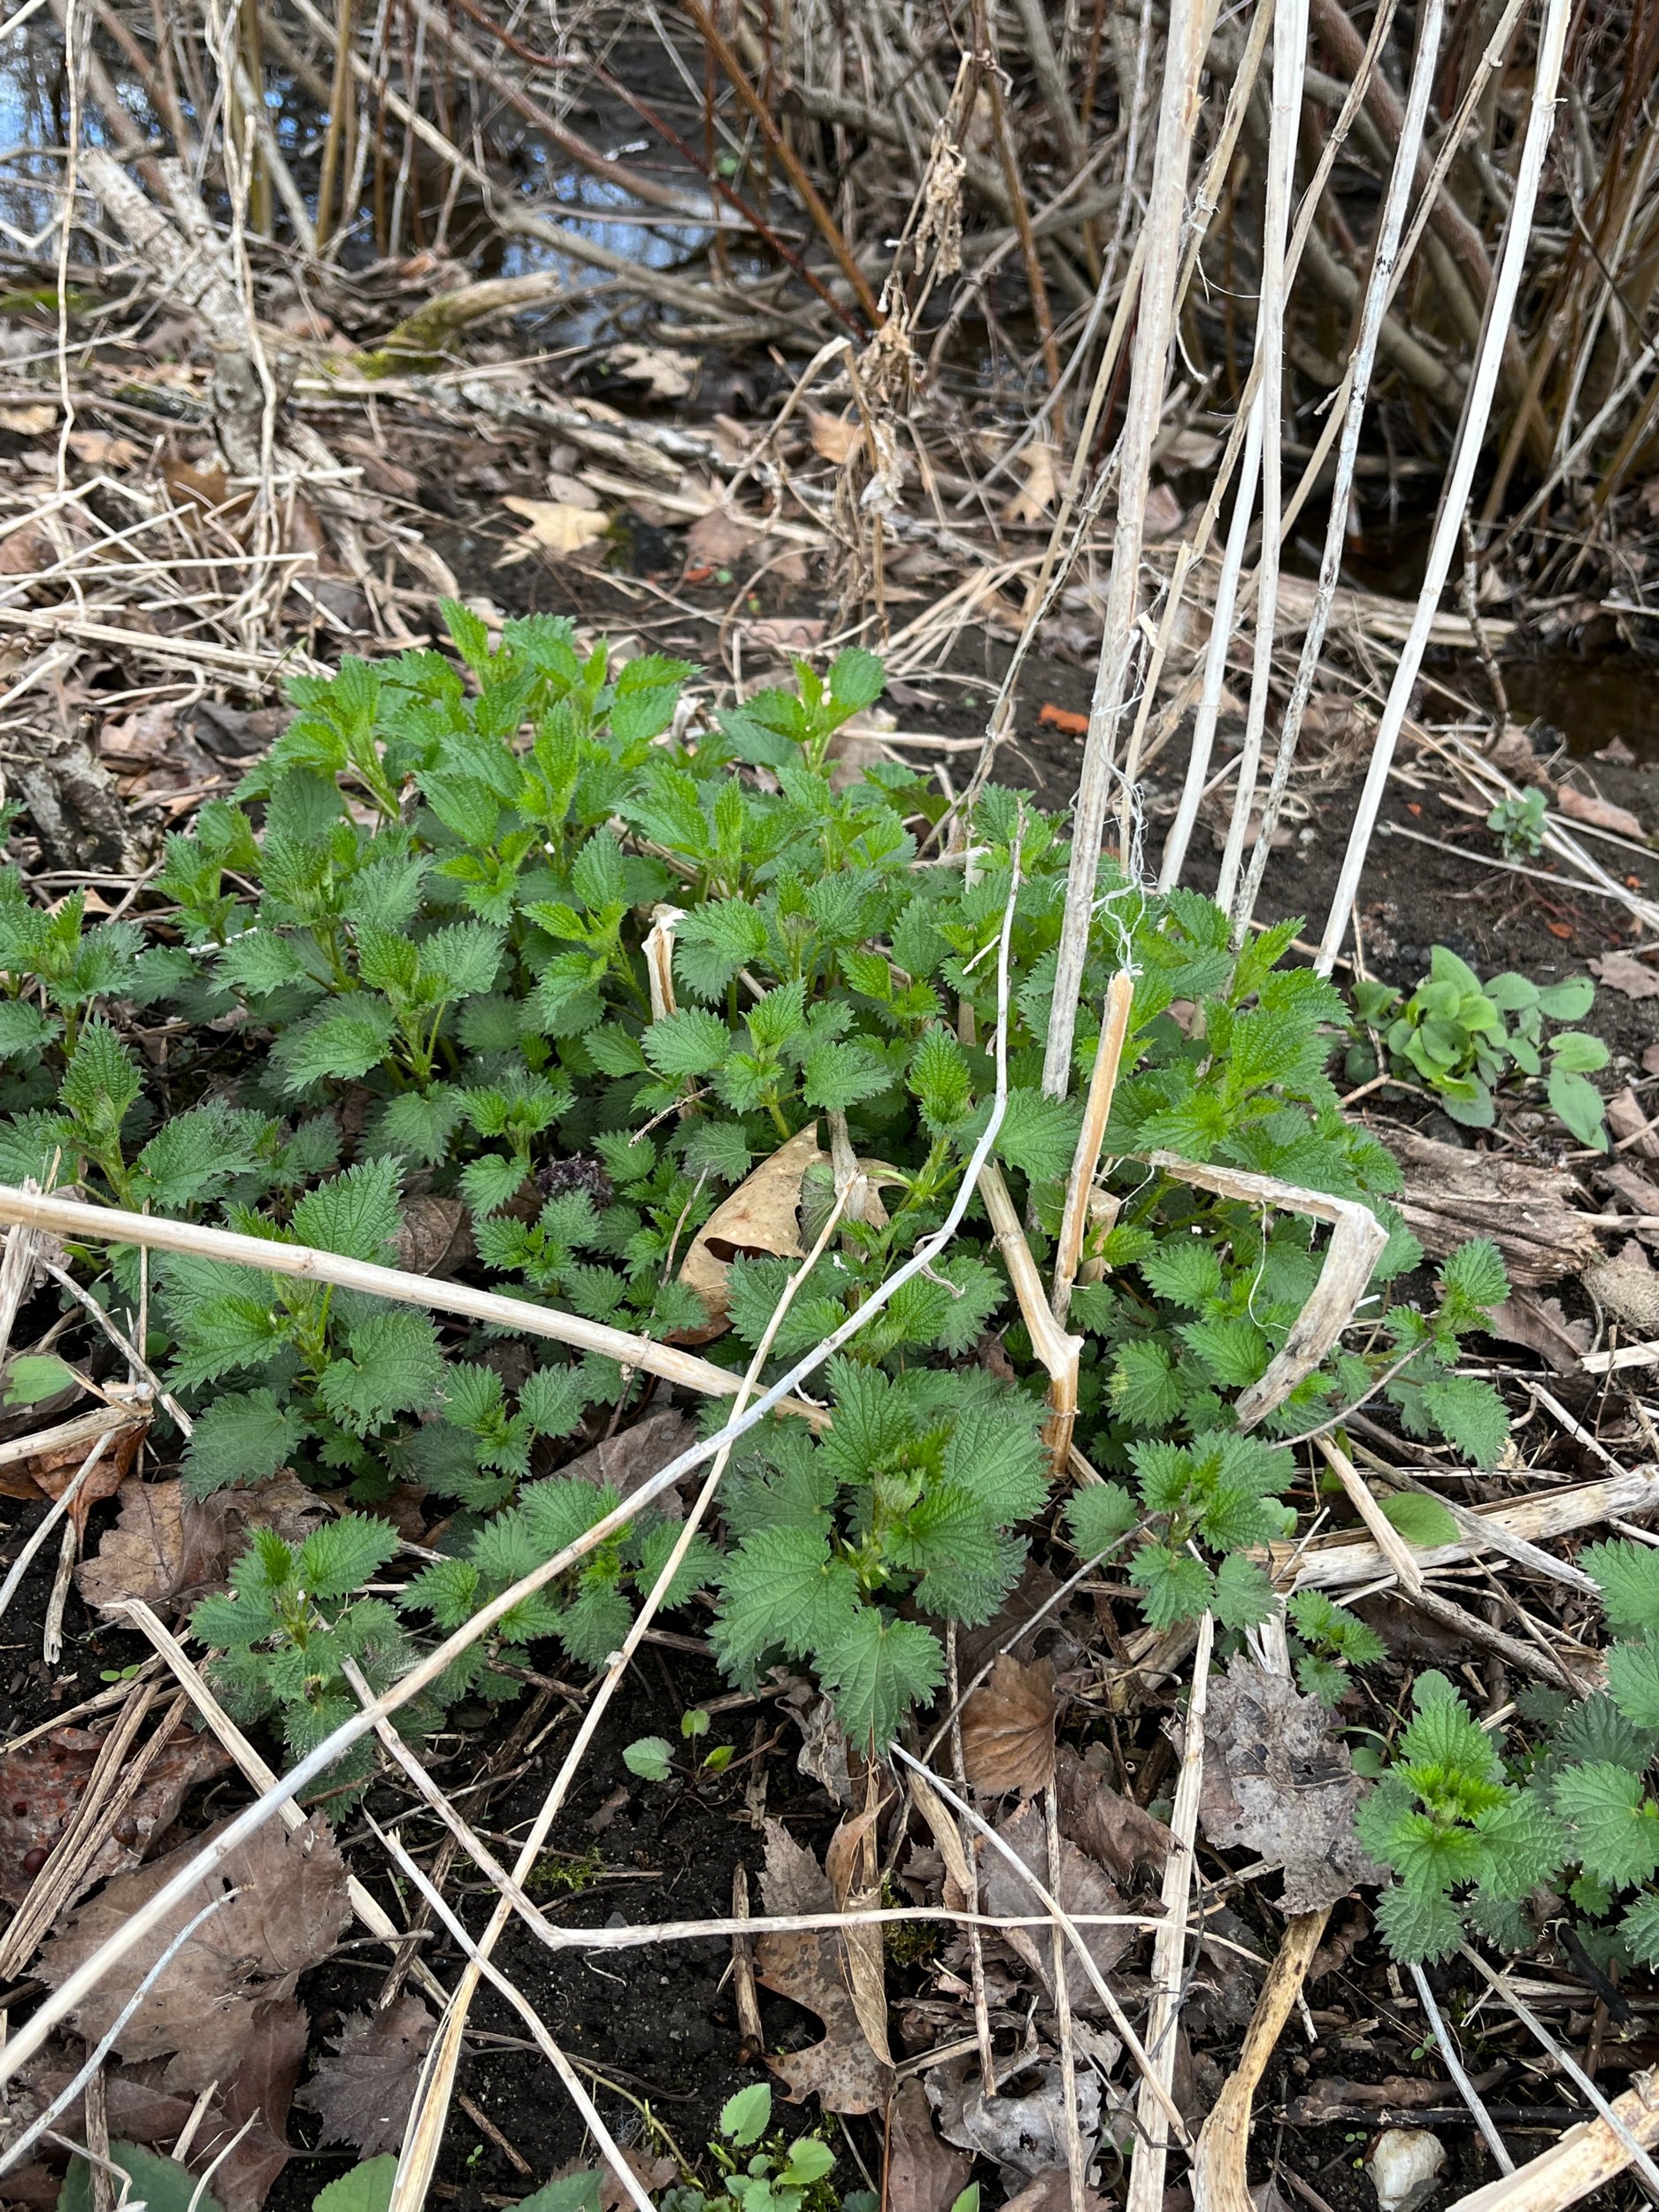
[540,180]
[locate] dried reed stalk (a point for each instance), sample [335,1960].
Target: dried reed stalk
[1455,497]
[1190,23]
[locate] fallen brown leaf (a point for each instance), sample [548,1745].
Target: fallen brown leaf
[923,2173]
[623,1462]
[362,2090]
[1541,1325]
[757,1219]
[555,528]
[1622,971]
[1025,2135]
[665,374]
[1112,1828]
[167,1545]
[1599,813]
[1037,495]
[786,633]
[202,2013]
[718,538]
[808,1967]
[435,1235]
[102,449]
[1081,1887]
[1279,1782]
[52,1472]
[855,1883]
[1008,1728]
[31,422]
[833,437]
[1050,2191]
[42,1783]
[1627,1118]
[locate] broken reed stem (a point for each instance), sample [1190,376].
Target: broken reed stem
[71,1218]
[1103,1082]
[1586,2159]
[1220,2175]
[1150,2158]
[1290,47]
[366,1906]
[1500,1986]
[1455,496]
[423,2137]
[54,1513]
[1454,2066]
[1385,1536]
[1189,38]
[555,2058]
[1379,283]
[87,1976]
[1059,1353]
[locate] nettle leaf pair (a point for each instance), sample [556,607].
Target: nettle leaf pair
[1451,1033]
[913,1493]
[1470,1839]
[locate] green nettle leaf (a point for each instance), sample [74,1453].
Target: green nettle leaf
[1613,1826]
[782,1586]
[567,2192]
[690,1043]
[1243,1597]
[876,1669]
[1424,1522]
[367,2188]
[239,1439]
[1632,1679]
[1628,1575]
[354,1214]
[394,1366]
[1419,1926]
[1100,1516]
[340,1044]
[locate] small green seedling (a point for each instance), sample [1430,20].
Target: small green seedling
[1519,821]
[1451,1035]
[1329,1640]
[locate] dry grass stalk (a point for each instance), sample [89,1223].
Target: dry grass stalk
[1189,38]
[1455,497]
[1387,1538]
[1169,1946]
[1103,1083]
[1342,1565]
[1221,2181]
[424,2137]
[1157,2086]
[1058,1352]
[253,1768]
[1455,2066]
[1588,2158]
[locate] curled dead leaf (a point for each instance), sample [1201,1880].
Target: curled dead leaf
[202,2014]
[1008,1728]
[834,437]
[665,374]
[1590,807]
[1080,1886]
[434,1235]
[166,1546]
[1036,495]
[41,1784]
[757,1220]
[555,527]
[810,1967]
[923,2173]
[1111,1827]
[1622,971]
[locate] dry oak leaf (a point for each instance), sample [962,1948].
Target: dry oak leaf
[810,1967]
[1599,813]
[1080,1887]
[362,2090]
[1036,495]
[1278,1782]
[626,1462]
[923,2173]
[56,1467]
[167,1545]
[1008,1728]
[202,2014]
[1112,1828]
[665,373]
[1622,971]
[555,528]
[757,1220]
[719,538]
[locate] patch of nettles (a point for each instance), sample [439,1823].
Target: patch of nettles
[408,956]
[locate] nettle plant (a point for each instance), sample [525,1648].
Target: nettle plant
[1477,1839]
[1452,1034]
[528,935]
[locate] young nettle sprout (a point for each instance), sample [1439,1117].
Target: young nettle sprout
[1519,820]
[652,1757]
